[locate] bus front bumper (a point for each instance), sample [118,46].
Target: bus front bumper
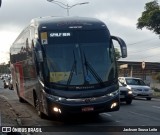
[87,105]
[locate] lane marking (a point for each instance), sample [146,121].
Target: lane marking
[6,98]
[145,116]
[156,107]
[107,114]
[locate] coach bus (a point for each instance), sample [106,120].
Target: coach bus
[66,66]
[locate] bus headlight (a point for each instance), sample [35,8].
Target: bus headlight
[57,110]
[114,105]
[56,98]
[112,94]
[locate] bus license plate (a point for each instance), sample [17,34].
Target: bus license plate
[87,109]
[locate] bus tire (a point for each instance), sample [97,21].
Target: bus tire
[21,100]
[37,106]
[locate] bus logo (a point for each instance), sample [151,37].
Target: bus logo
[60,34]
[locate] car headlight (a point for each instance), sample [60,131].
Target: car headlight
[130,92]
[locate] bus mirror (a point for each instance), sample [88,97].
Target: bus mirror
[122,45]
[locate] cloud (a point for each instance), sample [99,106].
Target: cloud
[120,16]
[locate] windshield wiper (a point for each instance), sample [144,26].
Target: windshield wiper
[91,69]
[74,68]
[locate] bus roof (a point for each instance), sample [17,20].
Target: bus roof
[48,23]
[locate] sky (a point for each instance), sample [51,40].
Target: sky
[120,16]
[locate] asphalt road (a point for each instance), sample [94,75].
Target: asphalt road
[139,114]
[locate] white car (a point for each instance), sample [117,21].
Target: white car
[138,86]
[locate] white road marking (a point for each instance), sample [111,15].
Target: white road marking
[155,118]
[106,114]
[156,107]
[4,97]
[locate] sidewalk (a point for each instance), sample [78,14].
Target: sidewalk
[7,114]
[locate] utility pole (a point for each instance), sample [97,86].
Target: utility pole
[66,6]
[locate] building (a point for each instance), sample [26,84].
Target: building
[145,70]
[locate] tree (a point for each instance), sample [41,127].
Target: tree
[150,17]
[117,54]
[158,77]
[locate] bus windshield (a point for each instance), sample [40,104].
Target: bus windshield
[79,59]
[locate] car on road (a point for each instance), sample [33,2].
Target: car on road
[4,76]
[138,87]
[6,82]
[125,93]
[10,85]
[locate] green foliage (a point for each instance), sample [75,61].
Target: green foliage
[150,17]
[4,68]
[117,54]
[156,89]
[158,77]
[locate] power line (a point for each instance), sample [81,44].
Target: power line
[145,49]
[150,56]
[143,57]
[142,41]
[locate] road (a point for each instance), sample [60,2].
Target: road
[140,113]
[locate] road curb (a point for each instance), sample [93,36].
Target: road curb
[18,120]
[157,97]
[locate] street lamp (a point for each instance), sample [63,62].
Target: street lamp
[66,6]
[0,2]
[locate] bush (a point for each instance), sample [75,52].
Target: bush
[156,89]
[158,77]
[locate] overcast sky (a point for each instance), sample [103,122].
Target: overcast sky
[120,16]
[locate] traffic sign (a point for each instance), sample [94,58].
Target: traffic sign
[143,65]
[123,66]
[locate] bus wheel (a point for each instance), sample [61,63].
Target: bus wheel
[22,100]
[37,106]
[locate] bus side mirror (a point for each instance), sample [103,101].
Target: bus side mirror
[122,45]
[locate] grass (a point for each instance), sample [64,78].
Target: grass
[156,94]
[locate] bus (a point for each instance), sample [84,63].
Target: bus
[66,65]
